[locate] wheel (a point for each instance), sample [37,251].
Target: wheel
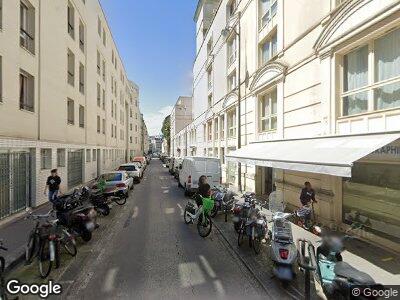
[186,218]
[44,260]
[121,200]
[86,235]
[214,211]
[69,244]
[237,226]
[31,247]
[186,192]
[257,245]
[241,235]
[104,209]
[204,227]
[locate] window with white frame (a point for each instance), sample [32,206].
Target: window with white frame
[210,101]
[231,8]
[231,115]
[371,76]
[209,78]
[232,81]
[222,121]
[60,157]
[98,124]
[209,131]
[70,112]
[104,126]
[268,49]
[26,91]
[94,156]
[216,129]
[81,36]
[268,10]
[81,78]
[71,20]
[27,26]
[81,116]
[88,155]
[71,67]
[268,111]
[231,44]
[45,157]
[209,47]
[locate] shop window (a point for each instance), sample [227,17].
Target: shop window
[371,76]
[45,156]
[268,111]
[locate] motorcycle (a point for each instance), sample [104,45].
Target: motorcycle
[283,251]
[80,219]
[241,210]
[223,199]
[304,217]
[99,199]
[336,277]
[201,214]
[255,228]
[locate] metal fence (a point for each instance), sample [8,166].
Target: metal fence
[75,168]
[14,182]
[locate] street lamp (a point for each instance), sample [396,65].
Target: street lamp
[225,33]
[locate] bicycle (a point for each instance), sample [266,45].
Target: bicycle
[3,294]
[201,214]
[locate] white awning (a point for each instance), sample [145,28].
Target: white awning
[332,155]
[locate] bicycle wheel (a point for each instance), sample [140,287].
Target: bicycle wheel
[186,218]
[44,259]
[257,245]
[31,248]
[204,226]
[214,211]
[121,200]
[241,235]
[69,243]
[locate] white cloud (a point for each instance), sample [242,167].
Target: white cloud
[154,120]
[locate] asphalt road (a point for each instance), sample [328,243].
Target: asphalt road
[149,253]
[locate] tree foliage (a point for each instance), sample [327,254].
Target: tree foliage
[166,129]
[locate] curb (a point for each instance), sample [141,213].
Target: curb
[258,279]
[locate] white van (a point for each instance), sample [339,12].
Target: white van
[193,167]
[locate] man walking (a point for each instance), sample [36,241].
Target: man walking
[53,185]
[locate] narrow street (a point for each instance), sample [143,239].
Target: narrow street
[149,253]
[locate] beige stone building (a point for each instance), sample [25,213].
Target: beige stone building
[319,101]
[65,99]
[181,116]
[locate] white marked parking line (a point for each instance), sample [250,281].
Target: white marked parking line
[166,191]
[190,274]
[135,212]
[207,267]
[181,209]
[169,210]
[109,281]
[218,286]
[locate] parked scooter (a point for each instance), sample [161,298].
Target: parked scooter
[99,199]
[305,218]
[336,277]
[255,228]
[223,199]
[283,251]
[79,218]
[241,210]
[201,214]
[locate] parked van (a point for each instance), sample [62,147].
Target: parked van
[193,167]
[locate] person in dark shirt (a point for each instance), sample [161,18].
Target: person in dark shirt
[202,190]
[307,194]
[53,185]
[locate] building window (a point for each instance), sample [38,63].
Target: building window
[70,112]
[209,131]
[136,128]
[45,155]
[231,8]
[104,37]
[71,67]
[88,155]
[268,10]
[210,101]
[71,20]
[27,26]
[371,76]
[98,63]
[94,156]
[98,95]
[104,126]
[222,120]
[1,14]
[232,81]
[26,91]
[209,78]
[98,124]
[216,130]
[99,26]
[130,139]
[104,100]
[209,47]
[269,49]
[60,157]
[104,70]
[81,36]
[81,78]
[81,116]
[232,123]
[268,111]
[231,51]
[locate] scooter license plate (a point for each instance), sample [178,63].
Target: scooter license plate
[90,226]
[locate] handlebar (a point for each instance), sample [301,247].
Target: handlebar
[35,217]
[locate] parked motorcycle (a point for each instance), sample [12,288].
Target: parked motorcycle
[305,218]
[99,199]
[336,277]
[283,251]
[201,214]
[223,199]
[241,210]
[79,218]
[255,228]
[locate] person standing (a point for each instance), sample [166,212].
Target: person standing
[53,185]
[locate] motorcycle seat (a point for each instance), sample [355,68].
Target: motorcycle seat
[345,270]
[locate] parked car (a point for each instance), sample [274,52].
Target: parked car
[118,179]
[166,161]
[142,160]
[171,165]
[132,170]
[177,165]
[193,167]
[140,168]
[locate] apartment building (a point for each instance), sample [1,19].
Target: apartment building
[145,145]
[65,99]
[318,83]
[155,143]
[181,116]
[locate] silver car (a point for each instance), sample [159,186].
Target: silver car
[119,180]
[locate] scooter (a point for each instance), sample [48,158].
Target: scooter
[255,228]
[241,210]
[201,214]
[99,199]
[283,251]
[336,277]
[223,201]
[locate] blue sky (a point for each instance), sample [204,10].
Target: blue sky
[156,40]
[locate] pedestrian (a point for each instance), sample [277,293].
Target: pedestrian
[53,185]
[201,191]
[307,194]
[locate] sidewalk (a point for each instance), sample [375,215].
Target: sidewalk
[15,234]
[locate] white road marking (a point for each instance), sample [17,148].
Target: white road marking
[218,286]
[165,187]
[181,209]
[169,210]
[207,266]
[135,212]
[190,274]
[109,281]
[166,191]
